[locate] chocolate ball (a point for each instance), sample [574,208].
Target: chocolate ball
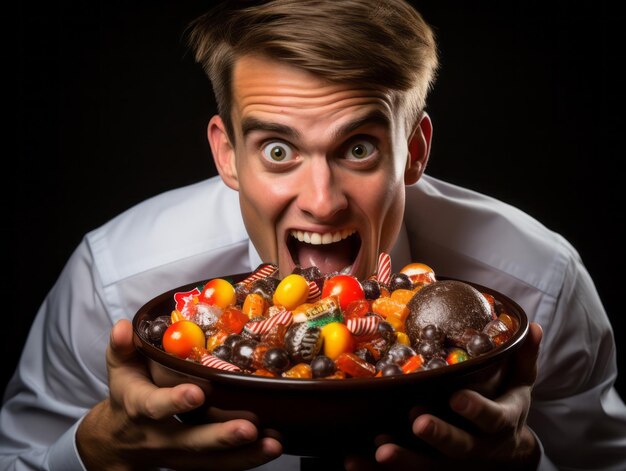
[451,305]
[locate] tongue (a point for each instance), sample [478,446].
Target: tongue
[328,258]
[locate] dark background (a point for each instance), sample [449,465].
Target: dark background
[111,109]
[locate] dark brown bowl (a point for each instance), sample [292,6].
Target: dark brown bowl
[324,417]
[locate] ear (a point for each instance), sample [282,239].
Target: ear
[223,152]
[419,150]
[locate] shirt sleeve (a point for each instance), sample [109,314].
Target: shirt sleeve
[61,373]
[577,413]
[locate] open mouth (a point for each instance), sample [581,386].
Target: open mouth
[330,251]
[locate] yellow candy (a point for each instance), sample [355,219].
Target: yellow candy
[337,339]
[403,338]
[292,291]
[176,316]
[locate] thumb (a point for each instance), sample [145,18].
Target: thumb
[121,348]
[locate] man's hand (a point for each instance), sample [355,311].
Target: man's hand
[503,439]
[134,427]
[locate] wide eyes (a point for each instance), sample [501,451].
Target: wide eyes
[277,151]
[360,150]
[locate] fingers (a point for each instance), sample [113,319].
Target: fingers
[121,340]
[223,446]
[131,386]
[444,437]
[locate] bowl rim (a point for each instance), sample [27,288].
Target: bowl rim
[204,373]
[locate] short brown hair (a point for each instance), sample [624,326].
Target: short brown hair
[374,43]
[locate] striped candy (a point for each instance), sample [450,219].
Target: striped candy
[283,317]
[363,325]
[314,291]
[263,271]
[384,268]
[213,362]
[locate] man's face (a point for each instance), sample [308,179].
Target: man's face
[319,168]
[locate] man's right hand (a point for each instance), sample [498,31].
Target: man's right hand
[134,428]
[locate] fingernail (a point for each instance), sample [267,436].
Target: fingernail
[426,429]
[192,398]
[245,434]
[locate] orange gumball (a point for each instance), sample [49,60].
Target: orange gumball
[181,337]
[218,292]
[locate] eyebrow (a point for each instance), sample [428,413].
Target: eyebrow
[251,124]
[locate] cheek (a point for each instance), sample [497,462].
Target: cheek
[261,205]
[385,209]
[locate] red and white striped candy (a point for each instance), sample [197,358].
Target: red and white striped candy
[213,362]
[283,317]
[384,268]
[314,291]
[363,325]
[263,271]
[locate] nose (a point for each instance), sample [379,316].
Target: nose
[321,195]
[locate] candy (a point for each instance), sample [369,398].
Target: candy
[346,288]
[180,338]
[218,292]
[384,268]
[291,328]
[323,312]
[254,305]
[292,291]
[265,270]
[337,339]
[284,317]
[303,342]
[419,273]
[354,366]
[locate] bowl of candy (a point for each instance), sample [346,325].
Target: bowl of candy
[330,361]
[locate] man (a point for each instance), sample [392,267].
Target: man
[323,136]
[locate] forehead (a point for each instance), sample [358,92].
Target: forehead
[268,90]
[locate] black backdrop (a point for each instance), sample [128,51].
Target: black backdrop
[110,109]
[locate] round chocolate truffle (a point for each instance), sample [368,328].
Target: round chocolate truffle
[451,305]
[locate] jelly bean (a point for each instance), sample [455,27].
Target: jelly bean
[180,338]
[292,291]
[218,292]
[337,339]
[176,316]
[403,338]
[456,355]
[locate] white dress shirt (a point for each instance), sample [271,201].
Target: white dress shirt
[197,232]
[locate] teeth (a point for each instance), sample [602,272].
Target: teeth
[316,238]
